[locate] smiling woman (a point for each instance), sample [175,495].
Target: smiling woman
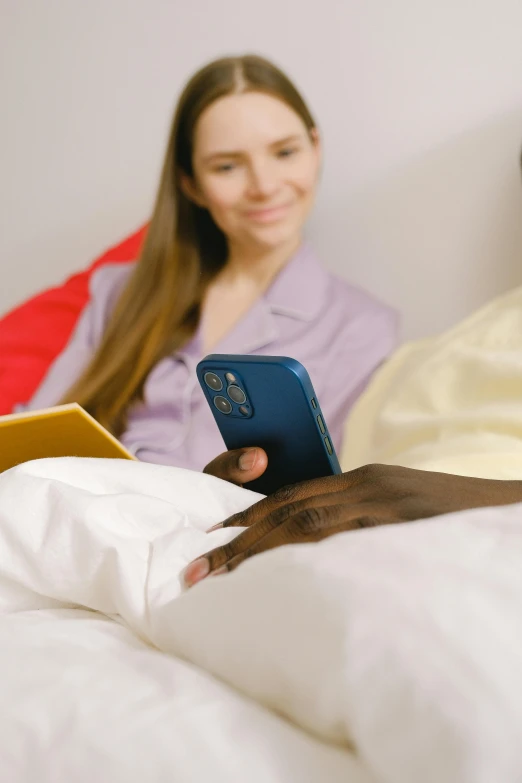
[223,267]
[255,169]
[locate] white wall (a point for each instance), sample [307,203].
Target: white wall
[420,104]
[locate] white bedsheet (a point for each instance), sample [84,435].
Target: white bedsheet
[403,643]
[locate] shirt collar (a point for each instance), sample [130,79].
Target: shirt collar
[299,289]
[297,292]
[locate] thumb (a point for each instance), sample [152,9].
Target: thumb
[239,466]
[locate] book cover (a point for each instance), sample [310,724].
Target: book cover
[62,431]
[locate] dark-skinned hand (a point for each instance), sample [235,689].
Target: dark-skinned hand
[312,510]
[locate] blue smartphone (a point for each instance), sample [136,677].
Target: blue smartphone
[269,401]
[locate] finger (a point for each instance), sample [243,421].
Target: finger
[239,466]
[291,494]
[308,526]
[212,562]
[250,540]
[217,558]
[300,522]
[254,533]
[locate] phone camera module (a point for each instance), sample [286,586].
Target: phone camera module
[222,404]
[213,381]
[236,394]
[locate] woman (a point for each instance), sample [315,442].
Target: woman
[223,269]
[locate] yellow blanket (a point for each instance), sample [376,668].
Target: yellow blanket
[452,403]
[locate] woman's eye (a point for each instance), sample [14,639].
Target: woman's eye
[224,168]
[286,152]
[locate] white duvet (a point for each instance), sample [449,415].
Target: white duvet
[390,655]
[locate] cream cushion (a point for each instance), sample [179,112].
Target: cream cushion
[452,403]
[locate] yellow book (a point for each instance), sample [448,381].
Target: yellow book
[62,431]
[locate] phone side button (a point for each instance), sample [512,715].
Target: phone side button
[321,425]
[328,445]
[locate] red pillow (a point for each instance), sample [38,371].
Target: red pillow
[33,334]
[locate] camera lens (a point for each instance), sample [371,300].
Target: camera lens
[236,394]
[222,404]
[213,381]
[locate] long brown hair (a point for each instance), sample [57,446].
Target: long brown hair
[159,309]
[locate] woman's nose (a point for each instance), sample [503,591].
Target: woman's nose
[262,181]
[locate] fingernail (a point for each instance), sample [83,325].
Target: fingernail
[247,459]
[215,527]
[195,571]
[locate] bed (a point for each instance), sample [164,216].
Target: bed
[383,655]
[390,655]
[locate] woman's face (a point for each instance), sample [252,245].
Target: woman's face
[255,169]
